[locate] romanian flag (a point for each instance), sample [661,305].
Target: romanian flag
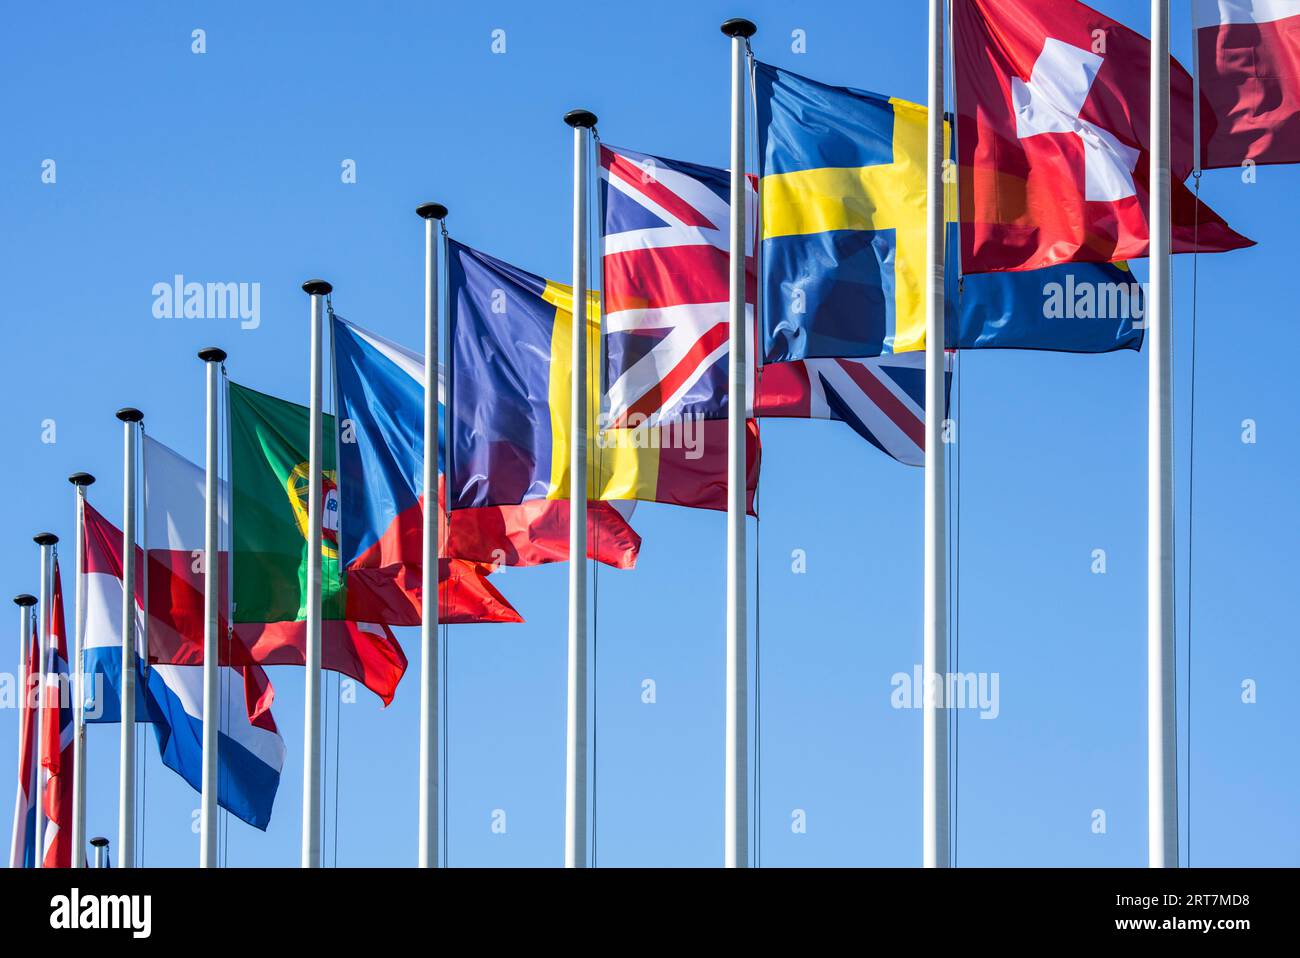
[509,438]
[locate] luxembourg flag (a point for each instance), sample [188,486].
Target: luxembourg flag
[250,751]
[22,850]
[56,738]
[1248,64]
[381,456]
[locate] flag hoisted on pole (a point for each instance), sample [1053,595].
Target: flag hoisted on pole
[433,214]
[131,419]
[575,754]
[212,359]
[934,773]
[80,480]
[1162,773]
[47,541]
[23,847]
[736,795]
[317,289]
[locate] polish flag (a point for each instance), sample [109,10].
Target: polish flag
[1249,60]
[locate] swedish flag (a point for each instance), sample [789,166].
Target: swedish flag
[843,213]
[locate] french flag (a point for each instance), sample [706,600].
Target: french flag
[56,738]
[22,850]
[250,751]
[1248,60]
[381,456]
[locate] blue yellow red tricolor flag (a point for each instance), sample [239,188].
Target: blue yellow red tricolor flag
[842,196]
[508,416]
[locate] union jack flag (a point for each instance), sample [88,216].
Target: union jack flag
[665,255]
[56,738]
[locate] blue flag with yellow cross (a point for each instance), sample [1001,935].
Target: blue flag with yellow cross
[842,207]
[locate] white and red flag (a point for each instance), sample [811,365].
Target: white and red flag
[1249,60]
[1053,124]
[56,737]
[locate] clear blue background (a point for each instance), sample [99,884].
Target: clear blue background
[226,167]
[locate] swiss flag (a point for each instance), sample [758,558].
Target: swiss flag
[1053,123]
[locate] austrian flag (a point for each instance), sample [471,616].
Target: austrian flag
[1053,124]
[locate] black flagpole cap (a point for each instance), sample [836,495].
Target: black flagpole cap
[317,287]
[45,538]
[212,354]
[580,118]
[129,414]
[99,841]
[739,27]
[431,211]
[81,479]
[24,600]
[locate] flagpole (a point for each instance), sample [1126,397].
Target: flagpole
[47,541]
[80,481]
[212,359]
[934,774]
[736,775]
[126,779]
[1162,770]
[24,603]
[433,214]
[317,289]
[576,798]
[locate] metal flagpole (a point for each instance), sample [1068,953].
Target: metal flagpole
[46,540]
[576,798]
[126,781]
[433,214]
[735,789]
[80,480]
[1162,769]
[212,359]
[24,603]
[934,774]
[317,289]
[100,844]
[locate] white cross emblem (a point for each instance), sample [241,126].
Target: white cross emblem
[1051,102]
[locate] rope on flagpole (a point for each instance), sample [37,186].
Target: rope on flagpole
[1191,488]
[593,247]
[755,375]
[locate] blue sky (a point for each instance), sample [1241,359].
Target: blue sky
[226,166]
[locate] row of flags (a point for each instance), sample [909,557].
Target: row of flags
[1050,145]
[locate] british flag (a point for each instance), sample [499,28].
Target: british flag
[56,738]
[665,256]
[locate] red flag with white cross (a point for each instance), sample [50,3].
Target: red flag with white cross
[1053,130]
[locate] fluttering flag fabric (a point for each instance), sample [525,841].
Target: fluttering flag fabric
[843,210]
[665,255]
[882,399]
[250,751]
[1249,61]
[509,411]
[268,518]
[22,848]
[56,736]
[381,454]
[1053,124]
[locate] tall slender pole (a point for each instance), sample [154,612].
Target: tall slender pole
[212,359]
[46,540]
[1162,769]
[24,603]
[317,289]
[433,214]
[735,788]
[126,777]
[80,480]
[576,798]
[934,774]
[100,845]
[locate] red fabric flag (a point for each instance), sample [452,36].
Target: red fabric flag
[56,737]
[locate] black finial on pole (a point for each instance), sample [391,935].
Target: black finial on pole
[24,600]
[739,27]
[212,354]
[317,287]
[45,538]
[81,479]
[128,414]
[99,841]
[431,211]
[580,118]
